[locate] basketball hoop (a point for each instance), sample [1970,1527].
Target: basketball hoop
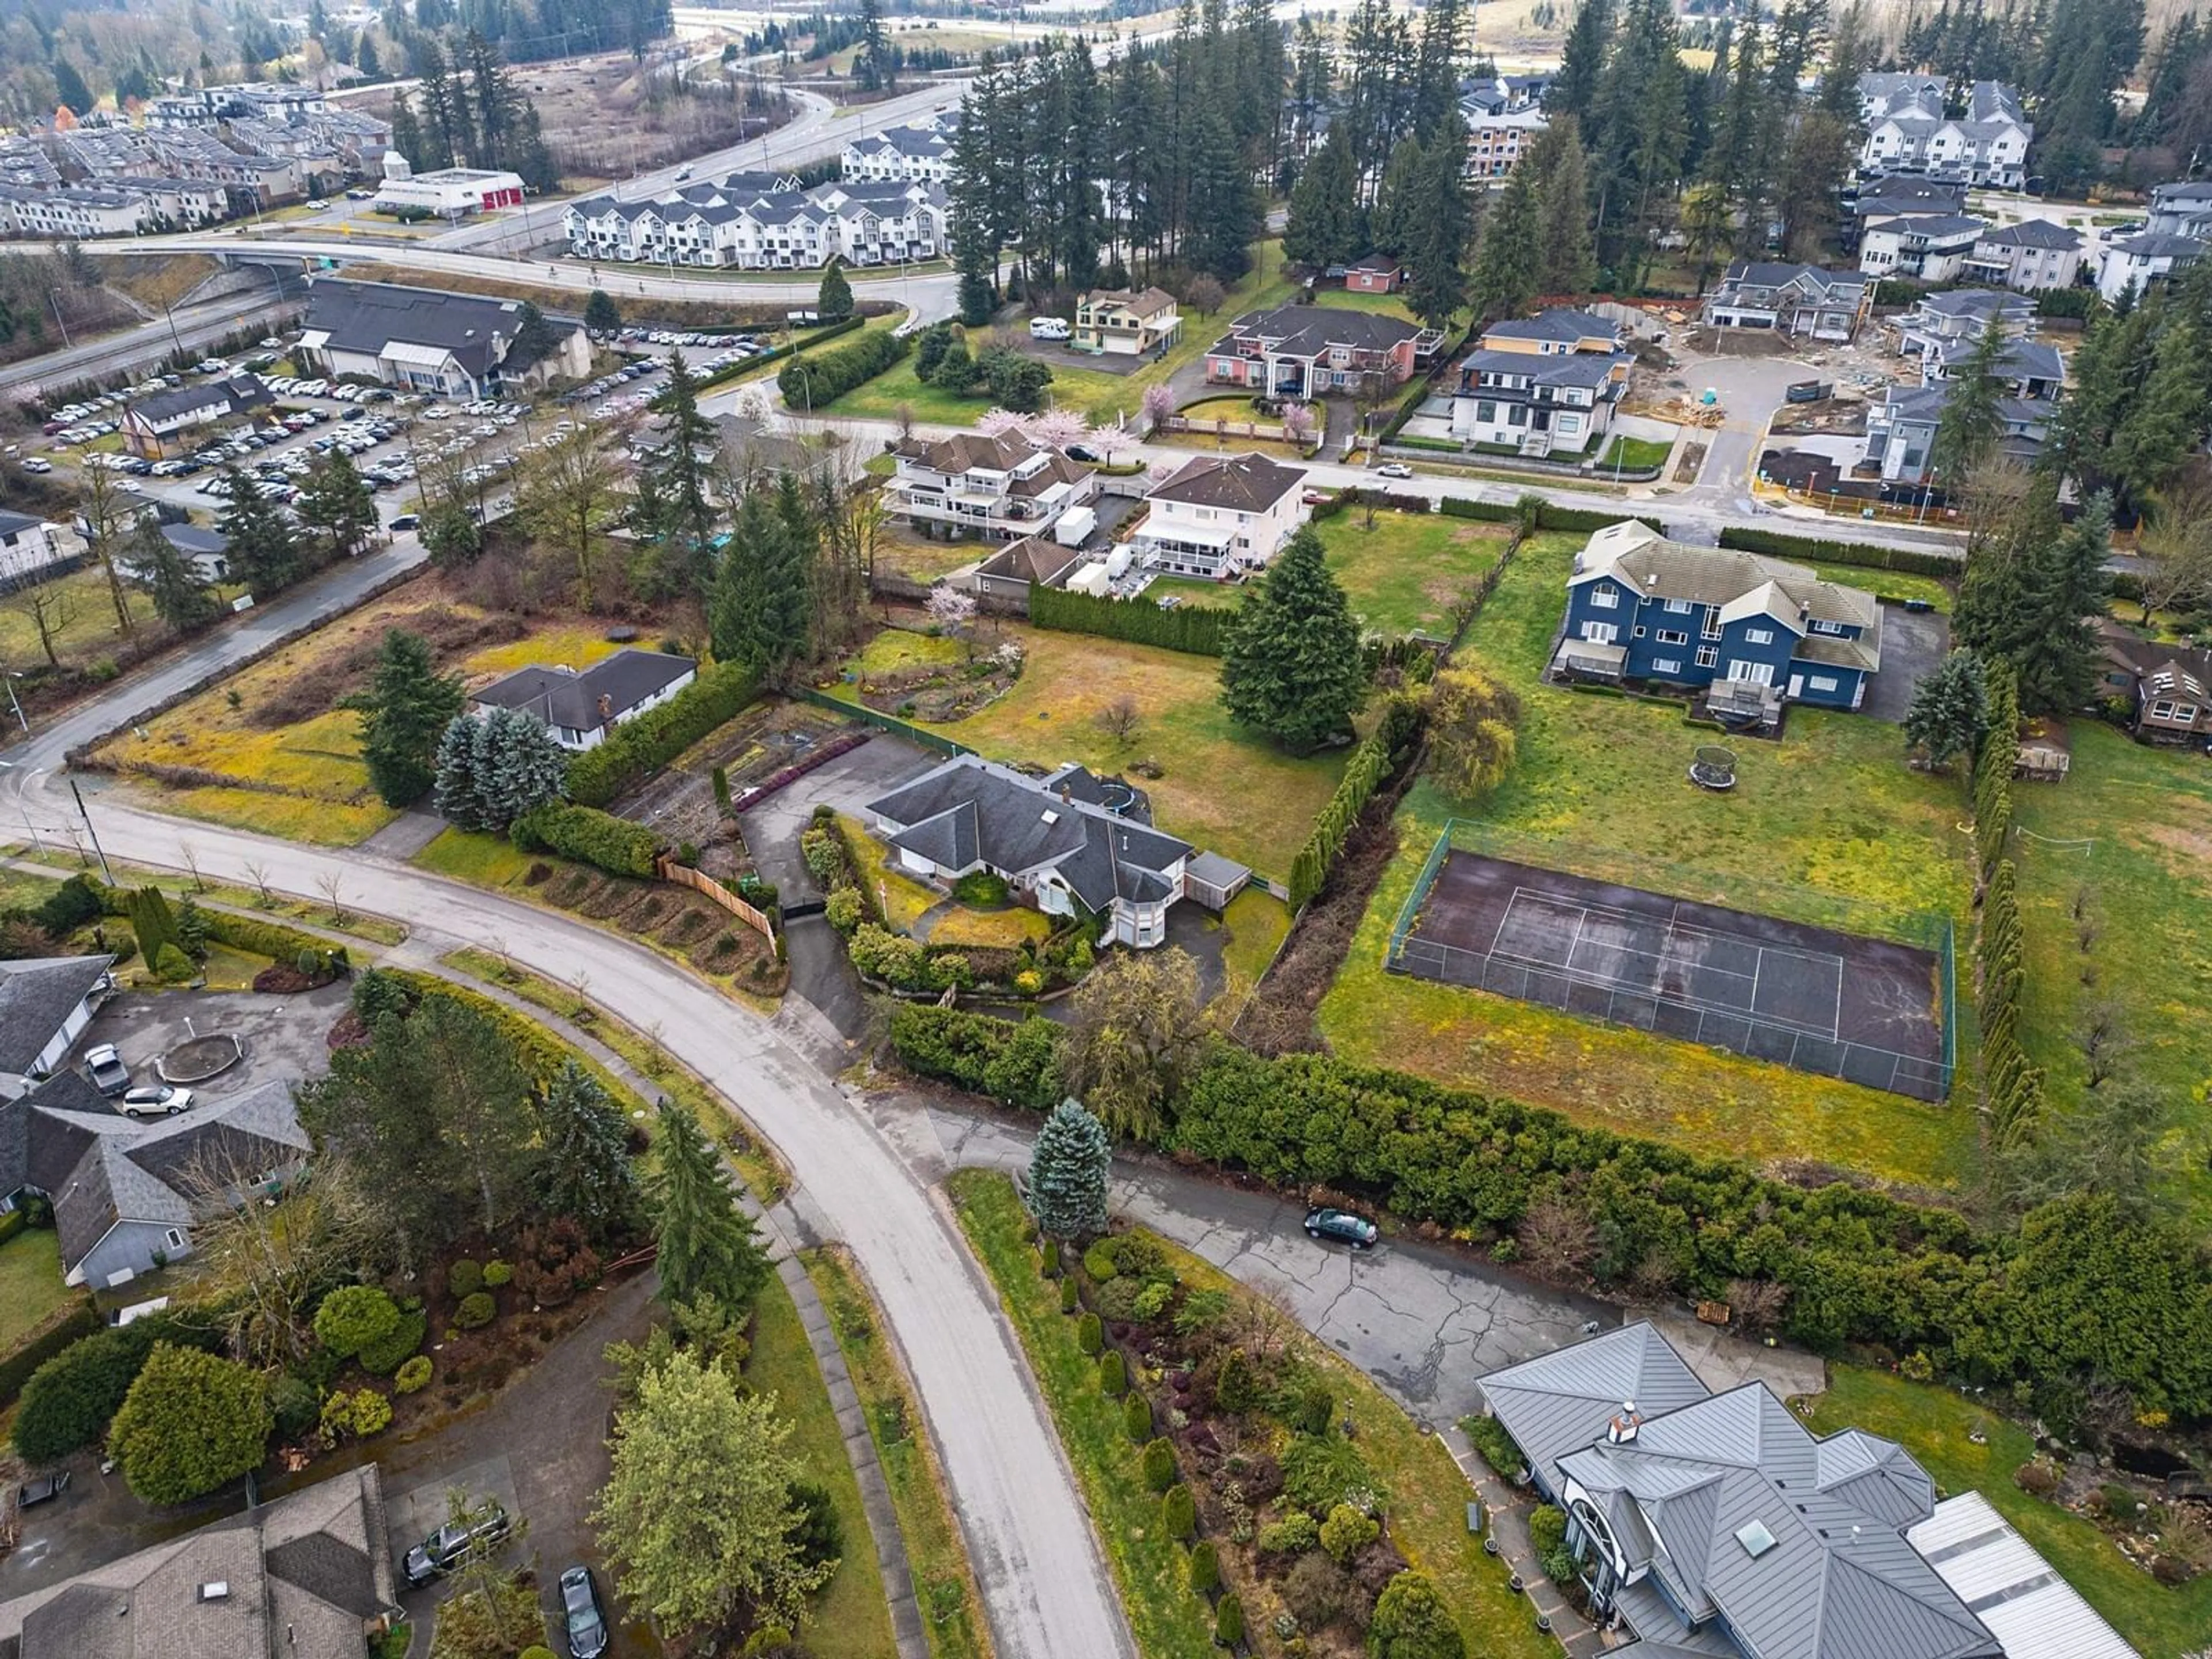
[1713,768]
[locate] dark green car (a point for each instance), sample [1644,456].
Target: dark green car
[1342,1227]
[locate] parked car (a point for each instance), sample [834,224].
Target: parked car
[405,521]
[1341,1227]
[156,1100]
[446,1548]
[38,463]
[1083,452]
[42,1488]
[587,1625]
[1393,470]
[106,1067]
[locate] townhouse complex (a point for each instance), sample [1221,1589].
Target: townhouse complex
[1909,129]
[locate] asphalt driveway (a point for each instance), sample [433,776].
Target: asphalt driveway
[283,1035]
[1913,642]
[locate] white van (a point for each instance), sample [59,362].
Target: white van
[1049,328]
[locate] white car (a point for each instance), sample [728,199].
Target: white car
[156,1100]
[1393,470]
[38,463]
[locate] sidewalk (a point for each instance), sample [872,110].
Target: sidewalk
[1505,1511]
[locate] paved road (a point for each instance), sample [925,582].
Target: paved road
[107,355]
[1028,1533]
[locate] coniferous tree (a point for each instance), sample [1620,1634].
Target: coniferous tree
[834,300]
[707,1244]
[1225,215]
[1561,182]
[407,132]
[493,769]
[1973,421]
[261,549]
[1325,227]
[756,611]
[675,514]
[1068,1174]
[587,1173]
[601,314]
[1436,261]
[180,595]
[403,715]
[1395,222]
[1574,88]
[1950,710]
[1291,664]
[1508,263]
[335,499]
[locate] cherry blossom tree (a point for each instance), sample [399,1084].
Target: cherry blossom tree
[996,423]
[1057,428]
[1159,404]
[953,608]
[1298,424]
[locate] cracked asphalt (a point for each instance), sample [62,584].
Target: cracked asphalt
[1424,1320]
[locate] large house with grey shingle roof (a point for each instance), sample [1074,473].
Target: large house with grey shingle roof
[1716,1526]
[125,1194]
[45,1003]
[1068,843]
[307,1576]
[1755,632]
[1312,351]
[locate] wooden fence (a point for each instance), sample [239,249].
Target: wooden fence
[684,876]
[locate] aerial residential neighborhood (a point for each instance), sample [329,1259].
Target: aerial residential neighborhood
[889,832]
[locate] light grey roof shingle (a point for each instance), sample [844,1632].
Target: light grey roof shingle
[37,997]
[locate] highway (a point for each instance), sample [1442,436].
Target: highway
[192,327]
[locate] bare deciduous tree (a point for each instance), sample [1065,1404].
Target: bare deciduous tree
[1119,718]
[1557,1237]
[50,610]
[330,887]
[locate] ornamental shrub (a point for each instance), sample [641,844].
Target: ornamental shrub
[1159,1465]
[1205,1567]
[1069,1298]
[414,1376]
[464,1279]
[1179,1512]
[1049,1259]
[1412,1622]
[588,835]
[68,1401]
[842,911]
[1229,1622]
[475,1311]
[1098,1262]
[1347,1531]
[172,966]
[1137,1417]
[1090,1334]
[496,1273]
[1112,1375]
[292,1401]
[383,1357]
[191,1422]
[353,1316]
[1294,1534]
[1320,1472]
[1490,1438]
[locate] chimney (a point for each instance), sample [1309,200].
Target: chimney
[606,708]
[1622,1430]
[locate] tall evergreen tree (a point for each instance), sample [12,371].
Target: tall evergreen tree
[1508,263]
[707,1244]
[1068,1174]
[1325,227]
[1226,217]
[1291,665]
[676,513]
[1574,88]
[1436,263]
[180,595]
[262,550]
[336,502]
[407,132]
[1395,222]
[587,1173]
[1973,420]
[404,713]
[1447,33]
[1950,711]
[1560,178]
[756,611]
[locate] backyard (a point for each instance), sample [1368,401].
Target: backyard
[31,1289]
[1211,771]
[1937,1427]
[1830,811]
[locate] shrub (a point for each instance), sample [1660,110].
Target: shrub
[1049,1259]
[588,835]
[353,1316]
[1318,1591]
[2038,1480]
[1100,1263]
[897,960]
[1234,1390]
[465,1278]
[1412,1622]
[414,1376]
[2119,1503]
[1017,1062]
[1137,1417]
[68,1400]
[1311,1408]
[1195,629]
[1159,1465]
[1813,550]
[636,748]
[292,1401]
[1205,1567]
[1490,1438]
[1229,1622]
[1179,1512]
[815,1527]
[822,377]
[1547,1535]
[1364,772]
[192,1422]
[1112,1375]
[385,1356]
[496,1273]
[348,1415]
[1347,1531]
[475,1311]
[1320,1472]
[1069,1298]
[843,912]
[1153,1300]
[172,966]
[1089,1334]
[1294,1534]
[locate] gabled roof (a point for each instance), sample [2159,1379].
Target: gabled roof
[2033,232]
[229,394]
[1309,331]
[1577,368]
[1557,326]
[1977,303]
[1775,274]
[2155,245]
[966,452]
[2023,360]
[37,997]
[559,696]
[1241,483]
[367,317]
[1562,1400]
[1934,225]
[1148,303]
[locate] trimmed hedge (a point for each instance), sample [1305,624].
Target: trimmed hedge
[1196,628]
[814,336]
[1368,764]
[600,839]
[1812,549]
[1464,507]
[820,381]
[263,938]
[1549,517]
[636,748]
[16,1370]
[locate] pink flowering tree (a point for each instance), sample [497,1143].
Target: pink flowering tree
[1298,424]
[1159,404]
[997,423]
[1057,428]
[953,608]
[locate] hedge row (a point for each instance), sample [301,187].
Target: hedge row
[1197,628]
[1374,760]
[2078,1298]
[2012,1087]
[584,833]
[637,749]
[257,935]
[820,381]
[814,336]
[1813,550]
[16,1370]
[1550,517]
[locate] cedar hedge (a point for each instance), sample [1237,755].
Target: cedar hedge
[1377,756]
[2078,1297]
[1197,628]
[16,1369]
[1812,550]
[636,748]
[814,336]
[816,382]
[584,833]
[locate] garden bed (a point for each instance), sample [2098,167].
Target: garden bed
[201,1058]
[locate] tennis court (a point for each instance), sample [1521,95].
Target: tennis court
[1866,1010]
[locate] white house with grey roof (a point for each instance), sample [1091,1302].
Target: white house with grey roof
[1962,314]
[2134,264]
[746,223]
[45,1003]
[1068,843]
[1546,384]
[28,547]
[1908,130]
[1221,517]
[2031,257]
[1900,437]
[908,155]
[454,345]
[1717,1526]
[1928,248]
[126,1193]
[306,1575]
[580,707]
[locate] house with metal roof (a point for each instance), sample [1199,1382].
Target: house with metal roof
[45,1003]
[126,1193]
[1717,1525]
[1753,632]
[580,707]
[306,1575]
[1068,843]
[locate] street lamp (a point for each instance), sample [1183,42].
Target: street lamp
[11,675]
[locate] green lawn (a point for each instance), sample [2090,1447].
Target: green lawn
[1830,811]
[80,613]
[2149,883]
[896,649]
[481,859]
[31,1288]
[1167,1620]
[1382,305]
[952,1615]
[1101,397]
[1634,455]
[1213,771]
[852,1619]
[1402,576]
[1890,583]
[1257,922]
[1933,1424]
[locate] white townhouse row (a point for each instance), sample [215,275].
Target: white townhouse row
[737,225]
[1908,130]
[910,154]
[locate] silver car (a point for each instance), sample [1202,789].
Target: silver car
[156,1100]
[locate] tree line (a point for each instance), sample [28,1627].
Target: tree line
[474,114]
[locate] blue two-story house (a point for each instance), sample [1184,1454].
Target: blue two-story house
[1755,632]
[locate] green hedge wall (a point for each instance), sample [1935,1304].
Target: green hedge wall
[600,839]
[637,749]
[16,1370]
[1465,506]
[274,939]
[820,381]
[1549,517]
[1368,765]
[1197,628]
[1812,549]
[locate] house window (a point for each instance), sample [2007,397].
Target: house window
[1822,682]
[1759,637]
[1605,599]
[1708,655]
[1639,630]
[1677,606]
[1666,664]
[1712,628]
[1819,627]
[1673,636]
[176,1238]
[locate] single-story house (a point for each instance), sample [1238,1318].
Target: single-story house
[306,1575]
[2168,687]
[45,1003]
[1755,632]
[1126,324]
[1719,1525]
[125,1193]
[1032,562]
[1376,274]
[152,425]
[1064,843]
[579,708]
[1221,516]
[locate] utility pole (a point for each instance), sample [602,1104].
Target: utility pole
[106,874]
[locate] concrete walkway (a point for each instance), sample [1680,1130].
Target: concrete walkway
[1505,1509]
